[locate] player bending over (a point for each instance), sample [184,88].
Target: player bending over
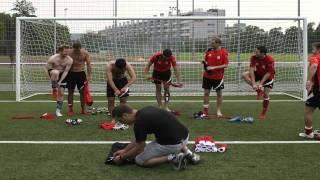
[57,69]
[162,62]
[77,75]
[261,76]
[171,137]
[117,82]
[313,88]
[215,61]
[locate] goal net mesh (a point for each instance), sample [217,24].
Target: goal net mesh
[137,39]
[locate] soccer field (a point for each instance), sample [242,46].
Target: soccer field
[287,158]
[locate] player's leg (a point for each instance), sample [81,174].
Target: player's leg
[155,154]
[218,85]
[71,87]
[268,85]
[159,95]
[54,76]
[311,104]
[80,80]
[265,103]
[246,77]
[60,96]
[206,85]
[219,102]
[166,88]
[111,99]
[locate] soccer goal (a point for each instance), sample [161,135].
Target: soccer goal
[136,39]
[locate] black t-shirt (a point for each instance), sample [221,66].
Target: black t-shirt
[163,124]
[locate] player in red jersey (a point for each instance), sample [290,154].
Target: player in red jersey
[261,76]
[215,61]
[162,62]
[313,88]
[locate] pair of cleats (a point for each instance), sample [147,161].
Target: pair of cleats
[181,161]
[313,135]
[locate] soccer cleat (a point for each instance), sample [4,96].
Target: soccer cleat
[307,136]
[260,94]
[58,113]
[193,158]
[180,162]
[54,93]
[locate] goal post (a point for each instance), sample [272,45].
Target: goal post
[137,38]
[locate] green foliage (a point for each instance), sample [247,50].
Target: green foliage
[24,8]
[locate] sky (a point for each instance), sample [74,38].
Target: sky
[148,8]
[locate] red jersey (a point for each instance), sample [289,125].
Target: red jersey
[216,58]
[315,59]
[263,66]
[161,64]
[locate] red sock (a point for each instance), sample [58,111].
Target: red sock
[206,109]
[265,105]
[307,130]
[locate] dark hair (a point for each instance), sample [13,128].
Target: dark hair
[262,49]
[61,48]
[167,52]
[76,44]
[217,40]
[120,63]
[316,45]
[118,111]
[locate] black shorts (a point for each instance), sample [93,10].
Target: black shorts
[162,75]
[76,78]
[268,83]
[313,99]
[63,82]
[212,84]
[120,83]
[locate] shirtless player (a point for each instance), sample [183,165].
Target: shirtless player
[57,69]
[77,75]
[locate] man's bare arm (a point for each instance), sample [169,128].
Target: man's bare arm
[177,73]
[110,78]
[66,70]
[146,70]
[89,66]
[132,75]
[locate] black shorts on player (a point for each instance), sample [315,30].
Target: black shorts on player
[162,75]
[63,82]
[119,83]
[313,99]
[76,79]
[268,83]
[212,84]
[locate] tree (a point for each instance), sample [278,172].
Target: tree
[24,8]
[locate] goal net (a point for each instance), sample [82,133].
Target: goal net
[136,39]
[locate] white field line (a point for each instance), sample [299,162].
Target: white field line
[190,142]
[153,101]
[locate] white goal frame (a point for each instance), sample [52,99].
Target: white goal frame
[18,37]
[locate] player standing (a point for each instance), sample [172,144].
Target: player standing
[162,62]
[117,81]
[215,61]
[57,69]
[313,88]
[261,76]
[77,75]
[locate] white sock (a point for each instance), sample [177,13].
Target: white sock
[171,157]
